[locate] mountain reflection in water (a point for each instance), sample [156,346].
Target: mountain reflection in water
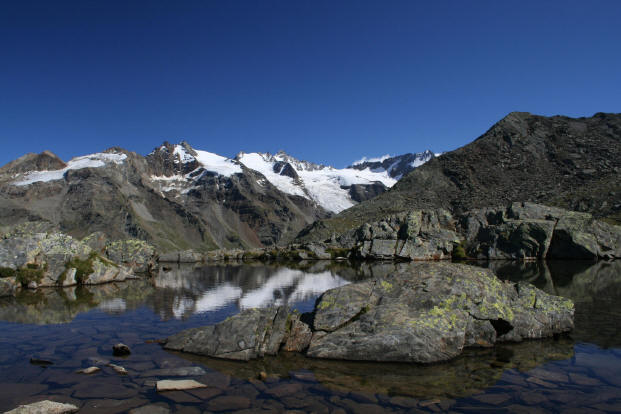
[576,372]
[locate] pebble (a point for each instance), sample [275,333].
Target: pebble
[120,350]
[88,370]
[118,369]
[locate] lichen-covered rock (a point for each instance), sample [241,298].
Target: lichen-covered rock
[533,231]
[8,286]
[56,259]
[138,255]
[424,316]
[432,315]
[247,335]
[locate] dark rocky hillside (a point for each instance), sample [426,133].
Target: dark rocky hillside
[573,163]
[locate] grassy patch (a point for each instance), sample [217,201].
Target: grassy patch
[459,251]
[32,272]
[7,272]
[83,267]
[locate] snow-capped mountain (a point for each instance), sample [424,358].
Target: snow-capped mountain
[179,197]
[331,188]
[397,166]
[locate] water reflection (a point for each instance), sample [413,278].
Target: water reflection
[595,288]
[473,371]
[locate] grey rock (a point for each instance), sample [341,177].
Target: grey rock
[8,286]
[244,336]
[429,316]
[178,385]
[44,407]
[120,349]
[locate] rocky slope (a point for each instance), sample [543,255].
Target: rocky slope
[428,315]
[572,163]
[178,197]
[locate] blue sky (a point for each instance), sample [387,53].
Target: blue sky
[326,81]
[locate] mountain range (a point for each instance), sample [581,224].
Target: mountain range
[178,197]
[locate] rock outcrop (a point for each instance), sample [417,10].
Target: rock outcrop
[426,316]
[520,231]
[33,260]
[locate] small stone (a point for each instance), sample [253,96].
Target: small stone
[120,350]
[40,361]
[32,284]
[46,407]
[178,385]
[262,375]
[88,370]
[282,390]
[228,403]
[150,409]
[118,369]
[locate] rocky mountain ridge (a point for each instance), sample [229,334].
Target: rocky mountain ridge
[571,163]
[178,197]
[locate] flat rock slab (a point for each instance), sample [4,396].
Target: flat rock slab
[44,407]
[178,385]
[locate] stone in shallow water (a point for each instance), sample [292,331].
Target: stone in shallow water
[178,385]
[44,407]
[88,370]
[174,372]
[228,402]
[120,350]
[150,409]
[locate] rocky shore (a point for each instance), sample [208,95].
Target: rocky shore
[29,260]
[519,231]
[426,316]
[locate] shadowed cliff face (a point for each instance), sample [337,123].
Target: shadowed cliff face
[573,163]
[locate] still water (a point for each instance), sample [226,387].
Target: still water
[76,328]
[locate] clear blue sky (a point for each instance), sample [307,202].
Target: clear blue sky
[326,81]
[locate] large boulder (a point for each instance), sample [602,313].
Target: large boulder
[56,259]
[533,231]
[426,316]
[248,335]
[432,315]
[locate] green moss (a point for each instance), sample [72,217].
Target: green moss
[83,267]
[459,251]
[30,273]
[7,272]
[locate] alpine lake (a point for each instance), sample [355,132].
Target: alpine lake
[48,334]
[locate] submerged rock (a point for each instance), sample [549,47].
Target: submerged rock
[46,407]
[120,350]
[426,316]
[178,385]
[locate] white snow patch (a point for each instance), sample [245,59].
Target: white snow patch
[218,164]
[262,164]
[372,159]
[320,184]
[87,161]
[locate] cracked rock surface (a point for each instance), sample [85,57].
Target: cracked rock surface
[424,316]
